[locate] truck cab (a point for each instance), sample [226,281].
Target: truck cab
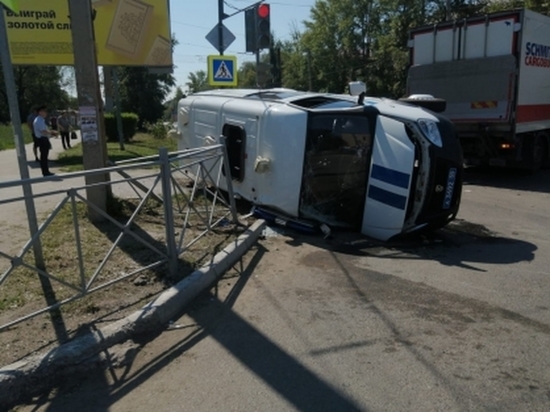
[378,166]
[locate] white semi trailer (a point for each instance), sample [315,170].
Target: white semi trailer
[494,73]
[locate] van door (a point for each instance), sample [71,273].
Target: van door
[389,180]
[336,165]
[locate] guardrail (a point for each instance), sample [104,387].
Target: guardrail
[203,170]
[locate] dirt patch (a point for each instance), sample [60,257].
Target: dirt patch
[141,245]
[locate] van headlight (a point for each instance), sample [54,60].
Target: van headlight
[430,130]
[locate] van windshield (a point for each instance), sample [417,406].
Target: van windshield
[334,183]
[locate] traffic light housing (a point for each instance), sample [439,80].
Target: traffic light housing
[263,26]
[250,30]
[258,28]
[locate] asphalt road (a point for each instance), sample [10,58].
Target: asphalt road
[459,321]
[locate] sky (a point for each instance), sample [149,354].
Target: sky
[191,20]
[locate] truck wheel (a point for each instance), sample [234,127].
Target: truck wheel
[546,151]
[537,153]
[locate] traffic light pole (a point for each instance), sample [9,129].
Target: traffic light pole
[221,15]
[258,69]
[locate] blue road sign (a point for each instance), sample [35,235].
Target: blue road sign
[222,70]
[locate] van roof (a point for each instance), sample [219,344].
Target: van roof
[280,95]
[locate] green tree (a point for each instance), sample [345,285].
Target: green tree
[540,6]
[335,46]
[171,105]
[35,85]
[347,40]
[197,82]
[144,93]
[295,59]
[247,75]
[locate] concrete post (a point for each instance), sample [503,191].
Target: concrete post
[94,146]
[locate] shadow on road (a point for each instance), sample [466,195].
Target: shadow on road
[460,244]
[508,179]
[214,318]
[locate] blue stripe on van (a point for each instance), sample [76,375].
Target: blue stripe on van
[393,177]
[388,198]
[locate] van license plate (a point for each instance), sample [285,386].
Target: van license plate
[449,190]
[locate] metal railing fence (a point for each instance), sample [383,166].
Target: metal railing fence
[176,180]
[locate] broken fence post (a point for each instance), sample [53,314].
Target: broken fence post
[171,246]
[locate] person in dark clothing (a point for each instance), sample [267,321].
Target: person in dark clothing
[53,122]
[43,134]
[64,127]
[30,120]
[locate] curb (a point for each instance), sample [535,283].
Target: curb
[32,376]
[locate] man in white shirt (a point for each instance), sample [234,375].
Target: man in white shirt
[43,134]
[30,121]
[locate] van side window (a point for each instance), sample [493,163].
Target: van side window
[236,147]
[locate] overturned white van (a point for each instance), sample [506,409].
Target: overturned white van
[379,166]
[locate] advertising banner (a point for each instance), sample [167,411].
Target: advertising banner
[127,32]
[10,4]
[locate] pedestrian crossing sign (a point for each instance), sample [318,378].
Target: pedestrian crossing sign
[222,70]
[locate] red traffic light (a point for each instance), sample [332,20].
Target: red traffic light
[263,10]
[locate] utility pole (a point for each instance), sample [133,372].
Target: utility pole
[258,69]
[11,93]
[94,147]
[448,10]
[309,74]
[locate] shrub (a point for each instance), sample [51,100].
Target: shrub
[129,126]
[158,130]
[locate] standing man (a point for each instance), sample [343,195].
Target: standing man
[30,121]
[64,130]
[43,136]
[53,122]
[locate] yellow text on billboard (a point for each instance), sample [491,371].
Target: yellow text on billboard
[127,33]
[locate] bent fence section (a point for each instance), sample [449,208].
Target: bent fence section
[184,185]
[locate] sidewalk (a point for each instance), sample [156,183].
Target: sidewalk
[9,170]
[13,217]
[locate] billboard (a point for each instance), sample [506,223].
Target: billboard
[127,32]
